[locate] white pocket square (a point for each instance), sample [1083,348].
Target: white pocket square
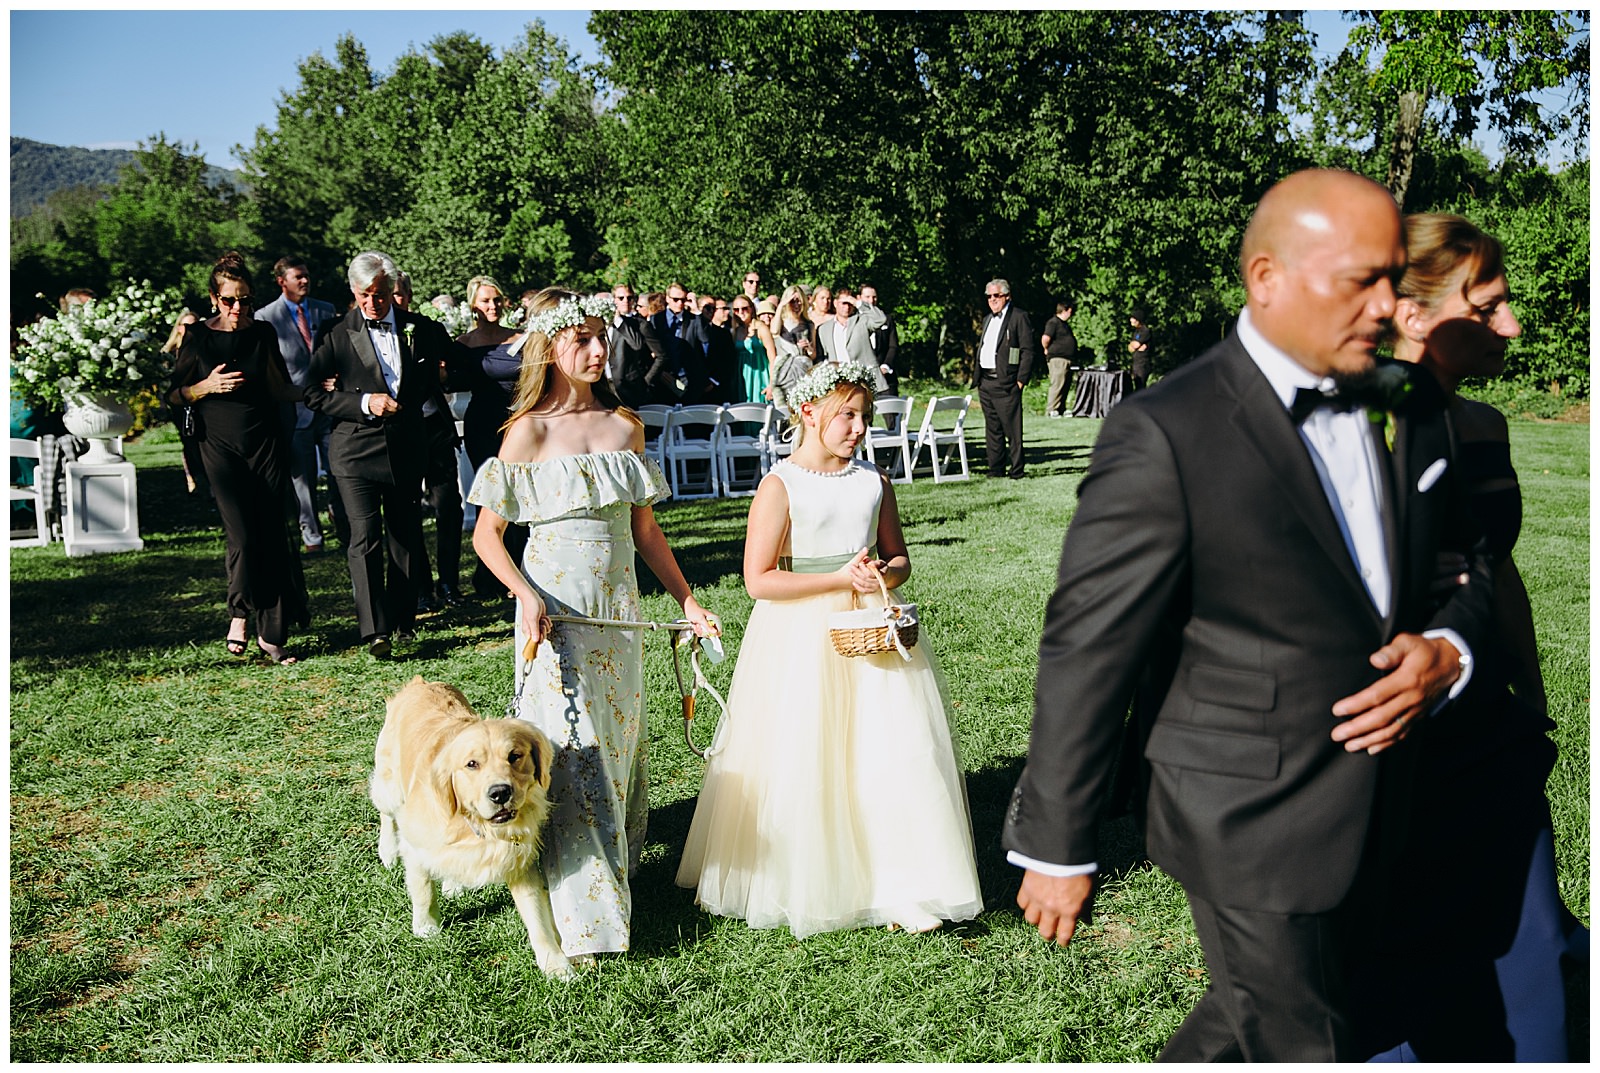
[1431,475]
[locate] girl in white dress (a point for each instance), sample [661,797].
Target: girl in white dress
[571,469]
[832,797]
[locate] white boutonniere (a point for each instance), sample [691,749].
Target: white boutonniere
[408,331]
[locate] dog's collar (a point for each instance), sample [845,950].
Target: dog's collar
[472,822]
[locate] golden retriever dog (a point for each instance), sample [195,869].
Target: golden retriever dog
[462,800]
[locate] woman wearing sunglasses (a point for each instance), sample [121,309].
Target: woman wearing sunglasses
[230,371]
[752,338]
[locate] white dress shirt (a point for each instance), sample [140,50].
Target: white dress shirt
[387,345]
[991,340]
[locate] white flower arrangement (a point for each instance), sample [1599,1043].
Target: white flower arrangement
[457,320]
[105,346]
[513,316]
[570,312]
[827,376]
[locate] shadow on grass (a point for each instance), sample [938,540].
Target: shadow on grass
[665,918]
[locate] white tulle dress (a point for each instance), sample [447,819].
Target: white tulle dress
[832,798]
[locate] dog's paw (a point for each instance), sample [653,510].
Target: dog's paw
[425,929]
[387,854]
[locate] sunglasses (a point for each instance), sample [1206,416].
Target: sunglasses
[230,300]
[677,301]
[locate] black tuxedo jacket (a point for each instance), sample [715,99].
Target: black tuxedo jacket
[709,356]
[1014,354]
[1204,546]
[390,449]
[637,361]
[663,388]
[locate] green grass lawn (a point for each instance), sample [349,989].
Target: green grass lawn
[194,874]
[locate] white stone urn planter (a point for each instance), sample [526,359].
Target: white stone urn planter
[100,419]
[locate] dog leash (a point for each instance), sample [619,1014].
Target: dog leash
[680,634]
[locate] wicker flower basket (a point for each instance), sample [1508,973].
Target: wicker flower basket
[869,631]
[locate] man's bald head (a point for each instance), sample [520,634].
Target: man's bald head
[1319,260]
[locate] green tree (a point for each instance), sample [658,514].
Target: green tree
[1465,61]
[164,222]
[53,249]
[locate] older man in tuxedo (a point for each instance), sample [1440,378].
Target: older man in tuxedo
[296,316]
[635,356]
[1001,368]
[386,364]
[1256,549]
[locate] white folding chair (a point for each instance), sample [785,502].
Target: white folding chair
[655,428]
[686,454]
[32,493]
[742,436]
[953,440]
[881,439]
[775,437]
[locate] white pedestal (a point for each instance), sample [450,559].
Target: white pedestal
[102,512]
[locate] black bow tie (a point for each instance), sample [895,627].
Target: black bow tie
[1387,389]
[1308,400]
[378,325]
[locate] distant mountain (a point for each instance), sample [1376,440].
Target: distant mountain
[38,170]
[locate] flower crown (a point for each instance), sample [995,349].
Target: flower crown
[570,312]
[827,376]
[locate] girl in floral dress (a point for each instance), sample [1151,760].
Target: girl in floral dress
[571,469]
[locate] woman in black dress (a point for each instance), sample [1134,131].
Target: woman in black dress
[486,362]
[1480,966]
[230,371]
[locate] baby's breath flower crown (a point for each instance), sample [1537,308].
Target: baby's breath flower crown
[570,312]
[827,376]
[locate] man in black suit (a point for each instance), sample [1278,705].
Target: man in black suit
[710,357]
[386,364]
[1001,368]
[683,369]
[635,357]
[1268,578]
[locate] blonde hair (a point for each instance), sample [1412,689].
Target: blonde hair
[538,358]
[477,282]
[175,338]
[791,293]
[1446,253]
[828,406]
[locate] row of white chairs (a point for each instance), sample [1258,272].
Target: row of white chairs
[711,451]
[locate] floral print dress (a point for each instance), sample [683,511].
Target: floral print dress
[585,688]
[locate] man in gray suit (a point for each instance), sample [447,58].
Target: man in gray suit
[1254,548]
[296,318]
[848,335]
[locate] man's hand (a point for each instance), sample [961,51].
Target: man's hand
[1420,670]
[1054,904]
[383,405]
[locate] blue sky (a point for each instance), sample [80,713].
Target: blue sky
[106,79]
